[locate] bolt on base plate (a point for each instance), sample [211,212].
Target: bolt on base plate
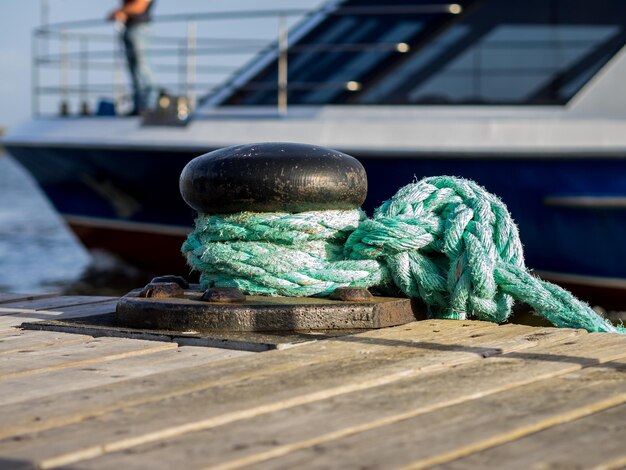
[258,313]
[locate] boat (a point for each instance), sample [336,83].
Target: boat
[526,98]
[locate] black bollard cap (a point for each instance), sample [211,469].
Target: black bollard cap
[273,177]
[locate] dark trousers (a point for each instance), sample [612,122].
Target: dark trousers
[134,38]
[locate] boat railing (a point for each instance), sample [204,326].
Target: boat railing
[76,66]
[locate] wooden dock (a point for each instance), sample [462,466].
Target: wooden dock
[429,394]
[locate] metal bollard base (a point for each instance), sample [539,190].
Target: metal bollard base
[259,313]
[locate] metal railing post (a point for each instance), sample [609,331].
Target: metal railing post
[182,67]
[84,75]
[34,81]
[65,76]
[283,38]
[44,19]
[191,63]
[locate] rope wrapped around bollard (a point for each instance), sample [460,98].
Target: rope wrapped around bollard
[444,240]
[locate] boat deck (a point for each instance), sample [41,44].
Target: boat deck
[446,394]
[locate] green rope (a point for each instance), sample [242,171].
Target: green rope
[293,255]
[444,240]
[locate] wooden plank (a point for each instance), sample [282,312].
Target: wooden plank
[8,331]
[14,297]
[47,303]
[263,437]
[15,317]
[309,374]
[85,310]
[109,371]
[446,434]
[591,442]
[21,341]
[73,355]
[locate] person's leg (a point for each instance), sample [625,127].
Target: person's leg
[144,74]
[130,46]
[135,43]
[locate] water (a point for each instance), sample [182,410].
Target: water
[38,253]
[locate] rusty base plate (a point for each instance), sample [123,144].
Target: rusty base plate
[257,313]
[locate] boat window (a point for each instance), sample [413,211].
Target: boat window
[356,65]
[357,38]
[494,52]
[506,64]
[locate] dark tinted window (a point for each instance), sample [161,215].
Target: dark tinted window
[494,52]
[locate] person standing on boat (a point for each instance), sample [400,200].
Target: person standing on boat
[133,18]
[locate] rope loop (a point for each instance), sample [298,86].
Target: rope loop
[443,239]
[279,253]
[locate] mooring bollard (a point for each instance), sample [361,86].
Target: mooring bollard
[274,187]
[282,220]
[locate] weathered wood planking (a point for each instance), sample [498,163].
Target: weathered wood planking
[14,317]
[11,297]
[82,354]
[376,410]
[8,330]
[447,393]
[440,343]
[356,364]
[452,432]
[107,371]
[47,303]
[595,441]
[20,340]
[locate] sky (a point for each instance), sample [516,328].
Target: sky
[19,17]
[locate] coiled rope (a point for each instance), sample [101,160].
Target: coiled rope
[444,240]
